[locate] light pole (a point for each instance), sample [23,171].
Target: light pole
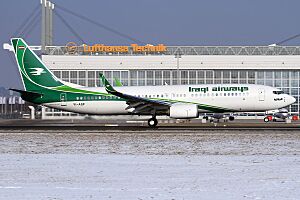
[178,55]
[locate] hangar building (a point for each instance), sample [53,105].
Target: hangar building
[135,65]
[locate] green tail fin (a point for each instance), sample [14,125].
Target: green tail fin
[35,75]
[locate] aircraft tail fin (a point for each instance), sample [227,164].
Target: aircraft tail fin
[34,73]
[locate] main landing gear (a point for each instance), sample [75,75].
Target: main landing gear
[152,122]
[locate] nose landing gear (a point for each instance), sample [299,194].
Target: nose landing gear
[152,122]
[268,118]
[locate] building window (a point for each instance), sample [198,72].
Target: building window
[167,77]
[66,76]
[192,77]
[184,77]
[141,78]
[150,78]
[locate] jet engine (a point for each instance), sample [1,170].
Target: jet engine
[184,111]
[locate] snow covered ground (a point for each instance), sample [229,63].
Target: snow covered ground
[57,176]
[201,165]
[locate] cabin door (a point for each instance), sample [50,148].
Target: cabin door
[63,99]
[261,94]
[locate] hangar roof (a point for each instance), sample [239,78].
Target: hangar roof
[185,50]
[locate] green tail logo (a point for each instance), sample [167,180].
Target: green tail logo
[35,75]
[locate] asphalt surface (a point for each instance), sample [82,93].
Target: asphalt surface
[142,125]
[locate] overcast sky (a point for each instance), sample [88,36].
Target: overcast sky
[171,22]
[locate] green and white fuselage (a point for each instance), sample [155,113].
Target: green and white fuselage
[96,100]
[42,87]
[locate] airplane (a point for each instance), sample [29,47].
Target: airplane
[42,87]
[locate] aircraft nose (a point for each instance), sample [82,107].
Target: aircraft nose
[292,99]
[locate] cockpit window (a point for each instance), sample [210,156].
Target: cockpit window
[278,92]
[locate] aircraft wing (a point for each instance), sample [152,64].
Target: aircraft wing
[141,105]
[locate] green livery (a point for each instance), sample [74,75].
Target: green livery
[37,78]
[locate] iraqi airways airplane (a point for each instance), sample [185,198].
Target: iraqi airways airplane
[42,87]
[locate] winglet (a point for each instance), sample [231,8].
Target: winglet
[118,82]
[106,84]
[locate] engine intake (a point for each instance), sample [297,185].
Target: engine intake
[184,111]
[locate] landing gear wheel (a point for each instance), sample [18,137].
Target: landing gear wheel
[231,118]
[266,119]
[152,122]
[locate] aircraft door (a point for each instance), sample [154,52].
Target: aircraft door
[172,96]
[63,99]
[261,94]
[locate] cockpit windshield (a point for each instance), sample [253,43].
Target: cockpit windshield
[278,92]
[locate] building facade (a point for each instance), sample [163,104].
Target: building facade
[277,66]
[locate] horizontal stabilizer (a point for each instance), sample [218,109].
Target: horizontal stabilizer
[27,93]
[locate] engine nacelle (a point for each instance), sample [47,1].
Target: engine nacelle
[184,111]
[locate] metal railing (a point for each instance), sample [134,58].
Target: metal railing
[186,50]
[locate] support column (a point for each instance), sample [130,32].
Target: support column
[51,24]
[43,25]
[32,112]
[47,22]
